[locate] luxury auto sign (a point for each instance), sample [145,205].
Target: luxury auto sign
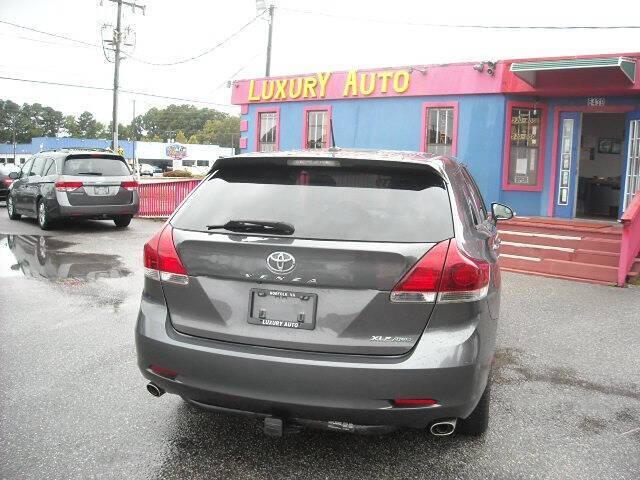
[320,85]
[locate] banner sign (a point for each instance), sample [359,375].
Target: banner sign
[353,84]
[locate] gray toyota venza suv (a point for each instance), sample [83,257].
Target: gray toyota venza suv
[341,289]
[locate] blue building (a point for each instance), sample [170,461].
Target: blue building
[194,157]
[24,150]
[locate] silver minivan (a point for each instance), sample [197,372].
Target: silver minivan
[341,289]
[74,183]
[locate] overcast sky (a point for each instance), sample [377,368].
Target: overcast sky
[172,30]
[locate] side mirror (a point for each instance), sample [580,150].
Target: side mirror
[14,175]
[501,212]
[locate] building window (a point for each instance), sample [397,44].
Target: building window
[439,134]
[317,128]
[524,147]
[268,132]
[188,163]
[439,128]
[202,163]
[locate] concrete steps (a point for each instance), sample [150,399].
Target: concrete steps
[583,251]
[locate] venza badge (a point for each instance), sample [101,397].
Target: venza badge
[281,262]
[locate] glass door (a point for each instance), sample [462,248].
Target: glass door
[632,169]
[568,148]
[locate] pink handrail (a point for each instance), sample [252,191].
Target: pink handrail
[630,242]
[160,199]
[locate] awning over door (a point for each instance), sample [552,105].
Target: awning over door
[529,71]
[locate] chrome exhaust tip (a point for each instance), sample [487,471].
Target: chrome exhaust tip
[154,390]
[443,428]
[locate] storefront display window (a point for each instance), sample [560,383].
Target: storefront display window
[524,147]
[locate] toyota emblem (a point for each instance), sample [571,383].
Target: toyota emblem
[281,262]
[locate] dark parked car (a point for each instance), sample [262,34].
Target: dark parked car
[348,290]
[74,184]
[5,180]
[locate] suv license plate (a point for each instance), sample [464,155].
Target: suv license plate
[101,190]
[280,308]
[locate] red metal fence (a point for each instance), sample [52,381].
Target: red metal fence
[162,198]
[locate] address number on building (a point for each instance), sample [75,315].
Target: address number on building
[596,102]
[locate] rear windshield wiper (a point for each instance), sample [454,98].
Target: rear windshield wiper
[255,226]
[88,173]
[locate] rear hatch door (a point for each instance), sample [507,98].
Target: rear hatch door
[98,177]
[359,227]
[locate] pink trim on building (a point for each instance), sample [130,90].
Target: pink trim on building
[243,142]
[275,110]
[507,147]
[426,80]
[305,123]
[244,125]
[454,136]
[244,109]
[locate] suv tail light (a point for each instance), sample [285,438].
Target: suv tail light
[130,185]
[68,186]
[161,260]
[8,181]
[444,274]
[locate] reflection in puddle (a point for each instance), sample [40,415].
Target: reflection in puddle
[41,257]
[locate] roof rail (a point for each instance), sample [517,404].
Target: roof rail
[66,149]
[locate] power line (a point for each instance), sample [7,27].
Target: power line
[451,25]
[205,52]
[107,89]
[140,60]
[232,76]
[46,42]
[82,42]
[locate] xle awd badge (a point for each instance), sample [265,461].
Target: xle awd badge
[281,263]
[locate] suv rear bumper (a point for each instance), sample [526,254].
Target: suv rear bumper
[64,209]
[449,366]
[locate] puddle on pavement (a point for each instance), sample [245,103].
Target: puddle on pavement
[37,256]
[509,368]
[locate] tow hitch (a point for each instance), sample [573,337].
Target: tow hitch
[277,427]
[273,427]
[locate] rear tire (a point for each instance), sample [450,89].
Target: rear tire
[11,209]
[478,422]
[44,222]
[122,221]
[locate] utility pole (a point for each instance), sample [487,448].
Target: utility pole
[117,40]
[136,168]
[116,76]
[14,141]
[268,69]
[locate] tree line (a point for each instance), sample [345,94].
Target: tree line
[182,123]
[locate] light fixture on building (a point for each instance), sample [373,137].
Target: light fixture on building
[490,67]
[422,70]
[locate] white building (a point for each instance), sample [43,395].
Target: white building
[195,158]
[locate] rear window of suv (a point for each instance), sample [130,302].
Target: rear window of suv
[328,203]
[99,166]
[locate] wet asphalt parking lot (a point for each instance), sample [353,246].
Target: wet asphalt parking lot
[565,401]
